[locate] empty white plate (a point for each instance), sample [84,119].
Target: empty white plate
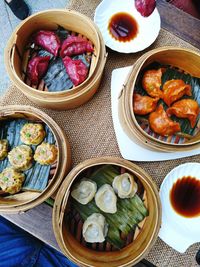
[148,27]
[178,231]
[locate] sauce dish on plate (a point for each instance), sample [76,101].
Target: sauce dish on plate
[123,28]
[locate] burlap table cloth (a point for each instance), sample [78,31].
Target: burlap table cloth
[91,133]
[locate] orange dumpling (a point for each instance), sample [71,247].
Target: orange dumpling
[174,90]
[151,82]
[143,105]
[161,124]
[185,108]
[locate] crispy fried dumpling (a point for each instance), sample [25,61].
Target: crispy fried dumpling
[32,133]
[106,199]
[124,185]
[95,228]
[143,105]
[161,124]
[20,157]
[3,148]
[185,108]
[46,154]
[85,191]
[11,180]
[174,90]
[151,82]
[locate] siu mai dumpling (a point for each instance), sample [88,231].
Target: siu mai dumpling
[85,191]
[21,158]
[95,228]
[143,105]
[151,82]
[186,109]
[106,199]
[174,90]
[124,185]
[161,124]
[11,180]
[32,133]
[46,154]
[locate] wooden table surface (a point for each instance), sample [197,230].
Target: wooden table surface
[37,221]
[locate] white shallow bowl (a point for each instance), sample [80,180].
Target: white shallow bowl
[149,27]
[177,231]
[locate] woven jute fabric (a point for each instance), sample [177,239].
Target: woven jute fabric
[91,133]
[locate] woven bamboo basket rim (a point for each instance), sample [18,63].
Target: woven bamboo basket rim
[62,198]
[63,163]
[8,51]
[144,137]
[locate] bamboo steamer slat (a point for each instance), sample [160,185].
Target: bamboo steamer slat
[185,59]
[130,254]
[26,200]
[50,20]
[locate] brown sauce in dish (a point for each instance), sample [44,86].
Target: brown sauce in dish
[185,196]
[123,27]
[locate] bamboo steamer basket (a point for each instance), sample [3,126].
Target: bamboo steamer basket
[128,255]
[23,201]
[184,59]
[16,61]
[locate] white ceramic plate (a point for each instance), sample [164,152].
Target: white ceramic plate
[149,27]
[177,231]
[129,149]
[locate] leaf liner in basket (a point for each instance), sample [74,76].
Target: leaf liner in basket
[37,177]
[169,74]
[56,78]
[123,223]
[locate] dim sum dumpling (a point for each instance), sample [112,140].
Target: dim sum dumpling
[20,157]
[46,154]
[32,133]
[95,228]
[124,185]
[106,199]
[85,191]
[11,180]
[151,82]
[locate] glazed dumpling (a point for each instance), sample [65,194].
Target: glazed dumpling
[143,105]
[20,157]
[95,228]
[161,124]
[46,154]
[85,191]
[174,90]
[124,185]
[32,133]
[151,82]
[186,109]
[3,148]
[106,199]
[11,180]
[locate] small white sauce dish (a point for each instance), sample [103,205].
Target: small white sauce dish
[149,27]
[178,231]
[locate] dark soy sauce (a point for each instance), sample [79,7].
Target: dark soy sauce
[123,27]
[185,196]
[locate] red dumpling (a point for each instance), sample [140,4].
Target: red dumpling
[37,68]
[48,40]
[76,70]
[151,82]
[75,45]
[145,7]
[143,105]
[161,124]
[185,108]
[174,90]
